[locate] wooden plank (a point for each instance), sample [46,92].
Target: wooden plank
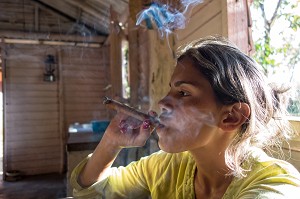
[31,123]
[20,63]
[52,36]
[63,7]
[33,87]
[79,60]
[84,53]
[42,170]
[37,157]
[70,93]
[15,1]
[13,7]
[200,17]
[84,74]
[27,80]
[237,23]
[31,51]
[24,165]
[85,89]
[21,72]
[33,58]
[205,30]
[20,144]
[55,28]
[13,17]
[100,66]
[31,116]
[27,135]
[85,106]
[85,116]
[34,101]
[83,100]
[31,108]
[100,82]
[25,94]
[33,151]
[16,26]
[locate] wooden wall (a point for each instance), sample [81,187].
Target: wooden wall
[206,19]
[37,113]
[24,15]
[85,74]
[32,140]
[230,19]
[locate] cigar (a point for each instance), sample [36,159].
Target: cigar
[128,110]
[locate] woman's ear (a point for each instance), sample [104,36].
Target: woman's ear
[234,116]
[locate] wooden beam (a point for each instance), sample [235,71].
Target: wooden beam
[51,37]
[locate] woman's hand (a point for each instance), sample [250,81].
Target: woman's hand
[124,131]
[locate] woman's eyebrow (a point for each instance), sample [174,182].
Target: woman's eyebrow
[178,83]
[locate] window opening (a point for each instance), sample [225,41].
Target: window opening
[125,70]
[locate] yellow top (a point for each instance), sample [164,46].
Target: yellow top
[163,175]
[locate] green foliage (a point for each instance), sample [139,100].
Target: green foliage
[266,53]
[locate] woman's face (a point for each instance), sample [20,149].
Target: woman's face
[189,112]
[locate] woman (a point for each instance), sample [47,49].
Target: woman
[217,117]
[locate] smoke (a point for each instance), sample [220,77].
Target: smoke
[165,18]
[183,118]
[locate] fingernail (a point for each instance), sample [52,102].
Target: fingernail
[153,113]
[146,124]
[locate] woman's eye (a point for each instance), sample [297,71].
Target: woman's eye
[183,93]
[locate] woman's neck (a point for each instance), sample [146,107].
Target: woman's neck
[211,177]
[206,187]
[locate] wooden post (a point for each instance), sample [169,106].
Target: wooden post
[235,23]
[61,122]
[133,62]
[115,56]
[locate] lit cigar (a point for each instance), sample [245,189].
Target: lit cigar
[130,111]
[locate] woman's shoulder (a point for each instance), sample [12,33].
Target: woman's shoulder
[264,162]
[266,176]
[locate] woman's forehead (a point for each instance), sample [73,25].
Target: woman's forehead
[186,71]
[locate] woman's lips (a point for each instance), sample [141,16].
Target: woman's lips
[163,121]
[160,126]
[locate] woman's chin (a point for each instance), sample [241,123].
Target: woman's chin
[166,147]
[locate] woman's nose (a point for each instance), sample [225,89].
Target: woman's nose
[165,104]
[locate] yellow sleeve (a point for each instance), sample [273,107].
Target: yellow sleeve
[160,175]
[122,182]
